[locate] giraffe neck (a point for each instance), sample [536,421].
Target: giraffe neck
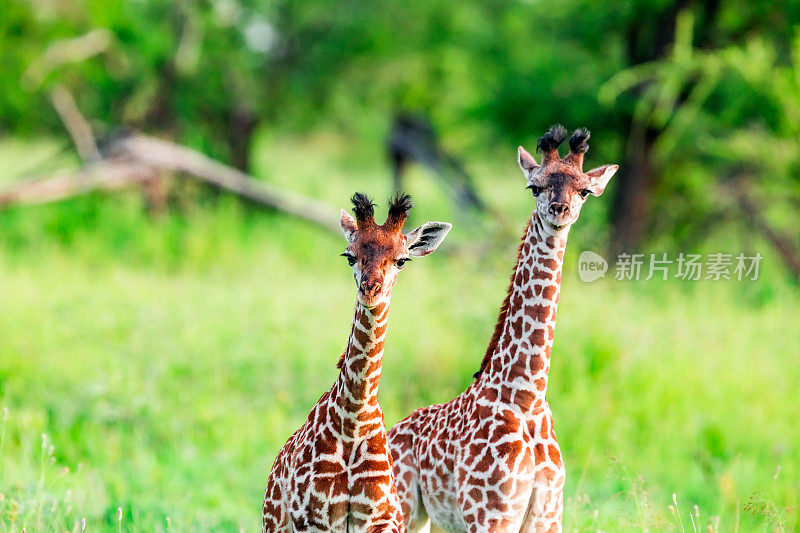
[519,367]
[355,393]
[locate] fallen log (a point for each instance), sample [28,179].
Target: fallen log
[167,156]
[140,159]
[103,175]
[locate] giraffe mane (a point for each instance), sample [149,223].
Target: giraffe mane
[501,318]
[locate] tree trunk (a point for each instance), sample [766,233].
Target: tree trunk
[633,196]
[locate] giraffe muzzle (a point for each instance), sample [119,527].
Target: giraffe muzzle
[370,290]
[558,209]
[559,215]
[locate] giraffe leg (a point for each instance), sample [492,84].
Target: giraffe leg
[546,505]
[418,521]
[545,510]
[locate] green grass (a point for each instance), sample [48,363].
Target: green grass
[166,360]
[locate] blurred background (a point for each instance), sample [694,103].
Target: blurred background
[172,302]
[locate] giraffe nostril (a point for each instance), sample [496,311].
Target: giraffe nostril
[363,285]
[376,287]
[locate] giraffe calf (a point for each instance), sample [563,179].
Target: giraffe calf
[335,472]
[488,460]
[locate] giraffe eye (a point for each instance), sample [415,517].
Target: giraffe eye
[351,260]
[535,189]
[585,193]
[400,262]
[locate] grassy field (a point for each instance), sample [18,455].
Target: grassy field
[153,367]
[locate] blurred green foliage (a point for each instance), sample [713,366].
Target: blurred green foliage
[168,359]
[510,67]
[162,354]
[729,122]
[680,93]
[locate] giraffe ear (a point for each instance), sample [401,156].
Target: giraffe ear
[599,177]
[426,238]
[349,227]
[526,162]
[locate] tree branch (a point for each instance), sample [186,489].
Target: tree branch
[76,125]
[782,243]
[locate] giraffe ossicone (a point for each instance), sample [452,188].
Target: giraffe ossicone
[488,460]
[335,472]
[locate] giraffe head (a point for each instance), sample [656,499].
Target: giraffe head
[378,252]
[559,184]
